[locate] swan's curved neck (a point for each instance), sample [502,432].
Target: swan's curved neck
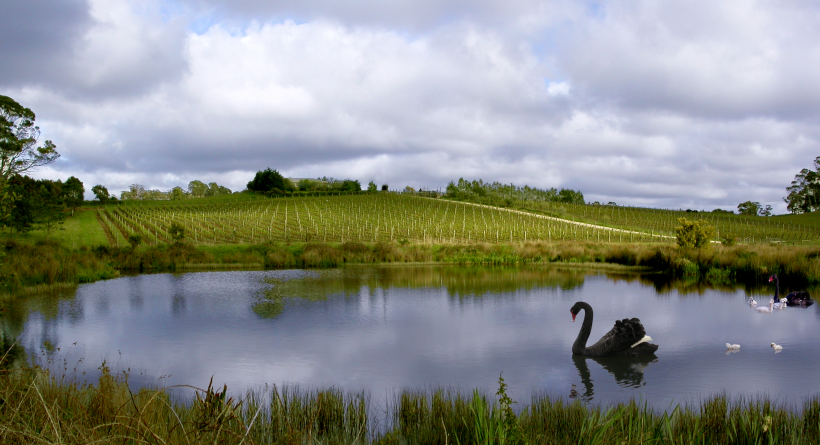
[776,289]
[580,344]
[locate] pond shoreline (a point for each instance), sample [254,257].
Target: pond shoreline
[29,269]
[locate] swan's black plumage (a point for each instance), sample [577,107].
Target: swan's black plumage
[796,298]
[615,343]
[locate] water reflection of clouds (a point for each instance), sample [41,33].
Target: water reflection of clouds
[376,331]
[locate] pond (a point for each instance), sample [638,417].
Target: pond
[384,329]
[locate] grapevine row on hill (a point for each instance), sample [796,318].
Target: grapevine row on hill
[375,217]
[742,227]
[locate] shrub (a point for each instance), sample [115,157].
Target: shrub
[694,234]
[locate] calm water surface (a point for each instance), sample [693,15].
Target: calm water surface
[385,329]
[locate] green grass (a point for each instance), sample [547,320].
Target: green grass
[79,230]
[41,408]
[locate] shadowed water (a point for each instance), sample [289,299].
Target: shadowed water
[383,329]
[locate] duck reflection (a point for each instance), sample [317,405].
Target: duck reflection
[628,372]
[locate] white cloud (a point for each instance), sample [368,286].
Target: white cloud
[639,102]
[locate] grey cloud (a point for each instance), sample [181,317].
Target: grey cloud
[37,38]
[97,51]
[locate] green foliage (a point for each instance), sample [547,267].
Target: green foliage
[509,432]
[804,192]
[384,188]
[177,232]
[197,189]
[694,234]
[372,187]
[497,193]
[309,185]
[134,240]
[101,193]
[177,194]
[73,191]
[269,180]
[749,208]
[39,203]
[18,141]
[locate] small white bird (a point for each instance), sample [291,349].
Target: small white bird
[765,309]
[776,347]
[782,304]
[752,301]
[731,346]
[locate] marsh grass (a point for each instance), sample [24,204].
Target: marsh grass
[37,407]
[50,263]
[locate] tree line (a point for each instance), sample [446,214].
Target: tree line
[196,189]
[496,193]
[271,182]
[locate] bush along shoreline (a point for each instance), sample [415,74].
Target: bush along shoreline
[30,268]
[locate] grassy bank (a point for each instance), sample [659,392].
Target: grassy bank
[38,408]
[49,263]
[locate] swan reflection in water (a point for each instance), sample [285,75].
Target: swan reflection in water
[628,372]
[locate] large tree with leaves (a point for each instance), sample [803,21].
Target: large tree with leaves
[268,180]
[804,193]
[19,152]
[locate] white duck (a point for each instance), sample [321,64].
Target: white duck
[766,309]
[731,346]
[783,304]
[752,301]
[776,347]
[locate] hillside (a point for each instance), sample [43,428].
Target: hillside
[395,217]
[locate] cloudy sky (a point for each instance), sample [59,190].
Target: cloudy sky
[697,104]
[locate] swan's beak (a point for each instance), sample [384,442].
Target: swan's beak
[771,279]
[573,316]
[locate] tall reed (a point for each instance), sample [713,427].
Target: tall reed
[38,407]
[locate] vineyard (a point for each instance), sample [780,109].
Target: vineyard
[746,229]
[397,218]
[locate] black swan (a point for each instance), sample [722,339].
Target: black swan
[627,339]
[796,298]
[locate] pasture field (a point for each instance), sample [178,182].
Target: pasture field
[390,217]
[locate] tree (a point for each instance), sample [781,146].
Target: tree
[73,190]
[101,193]
[571,196]
[197,189]
[349,185]
[177,193]
[49,211]
[694,234]
[384,187]
[748,208]
[19,152]
[22,215]
[269,180]
[39,203]
[215,189]
[804,193]
[765,211]
[135,191]
[372,187]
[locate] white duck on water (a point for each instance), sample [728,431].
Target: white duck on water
[766,309]
[731,346]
